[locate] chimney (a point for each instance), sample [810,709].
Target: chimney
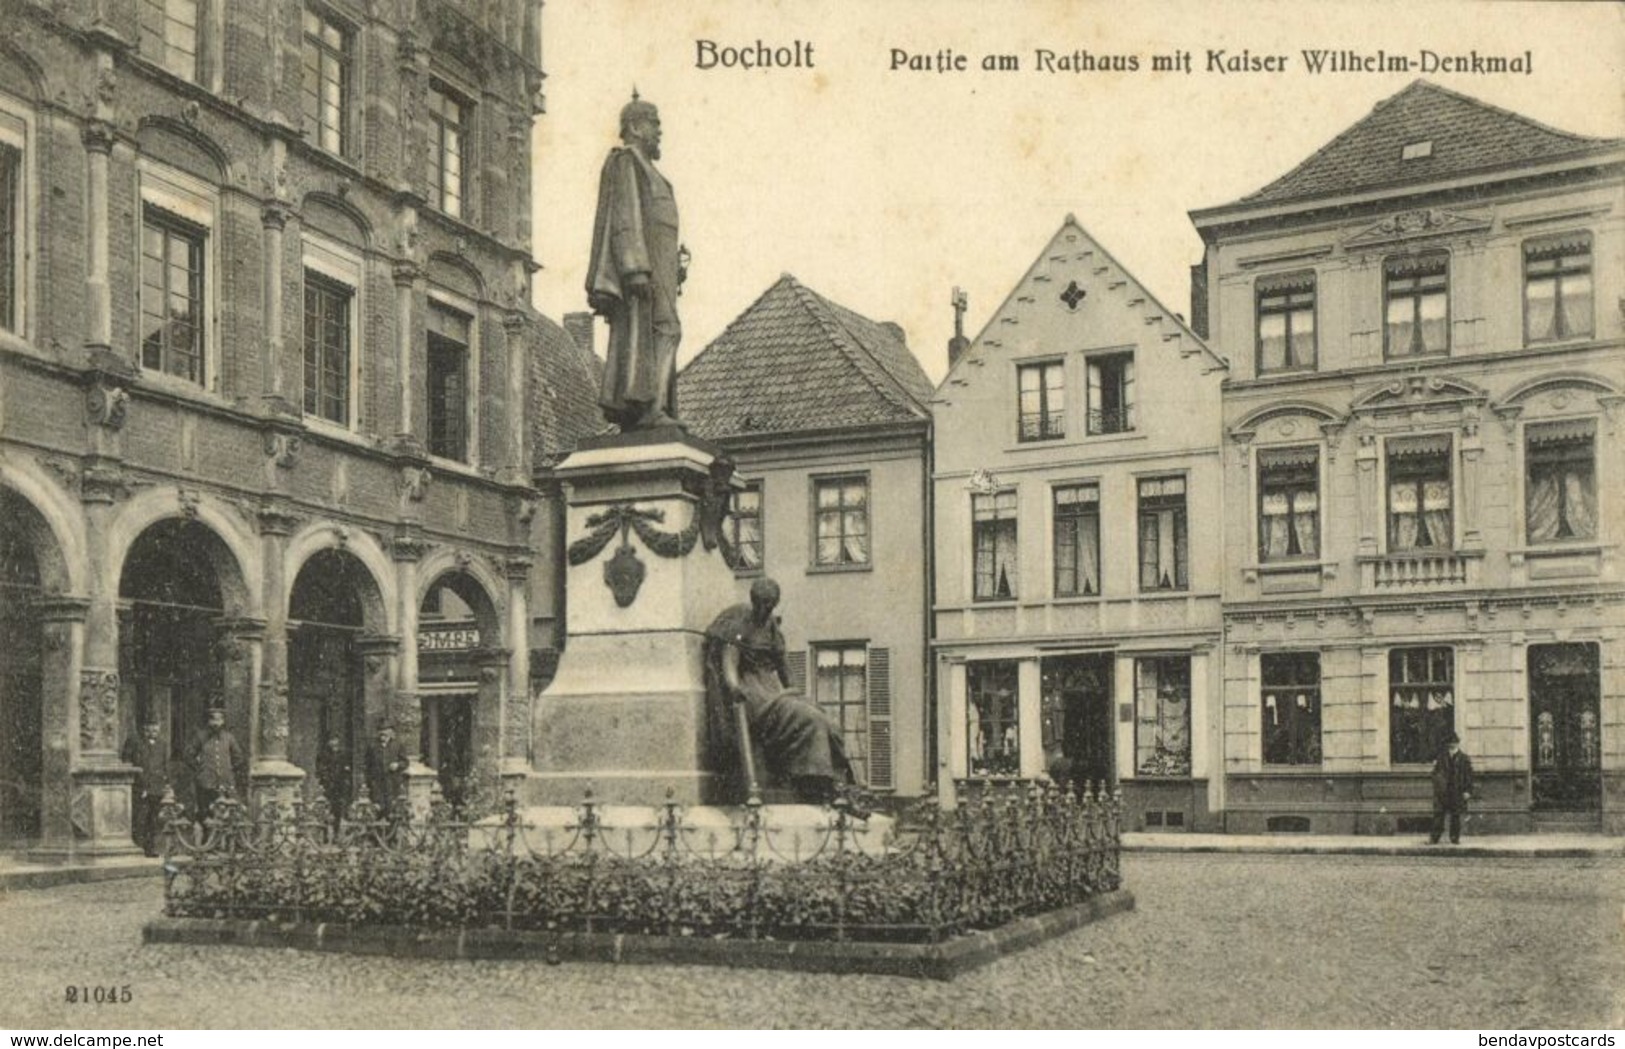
[579,325]
[1199,298]
[958,344]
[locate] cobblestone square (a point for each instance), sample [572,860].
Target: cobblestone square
[1216,941]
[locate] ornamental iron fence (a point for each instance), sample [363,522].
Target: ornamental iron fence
[761,873]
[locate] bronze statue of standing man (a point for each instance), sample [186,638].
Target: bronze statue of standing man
[637,265]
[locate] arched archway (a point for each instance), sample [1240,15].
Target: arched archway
[178,580]
[459,634]
[334,606]
[27,557]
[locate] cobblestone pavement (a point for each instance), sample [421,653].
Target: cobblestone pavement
[1216,941]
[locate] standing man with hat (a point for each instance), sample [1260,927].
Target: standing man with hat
[216,761]
[1452,789]
[633,276]
[148,753]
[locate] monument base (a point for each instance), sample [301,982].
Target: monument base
[625,716]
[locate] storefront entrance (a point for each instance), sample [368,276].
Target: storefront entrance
[1565,727]
[1077,718]
[448,741]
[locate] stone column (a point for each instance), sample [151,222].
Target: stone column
[407,277]
[99,809]
[274,218]
[64,628]
[514,470]
[98,136]
[405,706]
[494,666]
[271,774]
[514,748]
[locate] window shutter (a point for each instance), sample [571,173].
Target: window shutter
[796,663]
[880,763]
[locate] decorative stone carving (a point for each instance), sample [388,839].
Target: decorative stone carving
[98,710]
[414,482]
[273,726]
[407,548]
[106,404]
[189,498]
[282,448]
[1418,222]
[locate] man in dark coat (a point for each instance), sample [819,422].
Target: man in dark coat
[333,775]
[386,770]
[216,761]
[1452,788]
[148,753]
[745,664]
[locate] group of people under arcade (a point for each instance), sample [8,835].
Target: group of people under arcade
[215,766]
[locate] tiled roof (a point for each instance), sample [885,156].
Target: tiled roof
[794,362]
[563,394]
[1467,136]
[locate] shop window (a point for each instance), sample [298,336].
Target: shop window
[1560,482]
[1043,401]
[1077,540]
[1557,290]
[993,535]
[1164,543]
[841,521]
[1288,503]
[1162,721]
[1416,290]
[1291,707]
[1419,496]
[1286,322]
[1111,394]
[1422,695]
[992,710]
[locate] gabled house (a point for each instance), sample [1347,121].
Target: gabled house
[1077,489]
[1423,458]
[825,414]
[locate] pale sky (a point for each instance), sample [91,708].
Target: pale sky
[884,189]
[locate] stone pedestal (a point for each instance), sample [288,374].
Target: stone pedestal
[625,715]
[100,816]
[275,780]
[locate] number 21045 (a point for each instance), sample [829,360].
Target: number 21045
[98,995]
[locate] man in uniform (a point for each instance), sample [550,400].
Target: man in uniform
[217,762]
[633,275]
[333,775]
[148,753]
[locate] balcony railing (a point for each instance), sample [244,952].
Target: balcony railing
[1110,420]
[1440,570]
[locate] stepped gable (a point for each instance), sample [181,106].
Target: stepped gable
[794,361]
[1074,256]
[563,394]
[1467,136]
